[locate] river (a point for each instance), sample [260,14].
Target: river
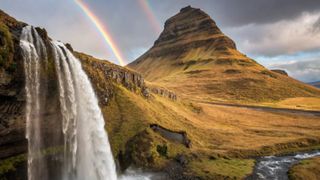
[277,167]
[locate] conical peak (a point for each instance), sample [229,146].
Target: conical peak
[188,15]
[192,25]
[187,8]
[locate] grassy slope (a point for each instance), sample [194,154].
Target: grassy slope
[308,169]
[229,133]
[232,79]
[212,71]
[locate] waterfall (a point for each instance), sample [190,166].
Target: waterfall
[86,153]
[30,43]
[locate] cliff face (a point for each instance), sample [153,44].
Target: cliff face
[194,58]
[104,75]
[12,100]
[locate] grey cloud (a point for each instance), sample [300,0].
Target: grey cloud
[278,38]
[238,13]
[307,71]
[316,26]
[248,22]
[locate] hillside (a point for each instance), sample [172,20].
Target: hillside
[193,57]
[219,135]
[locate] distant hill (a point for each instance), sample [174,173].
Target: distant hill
[316,84]
[193,57]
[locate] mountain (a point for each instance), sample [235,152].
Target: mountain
[193,57]
[316,84]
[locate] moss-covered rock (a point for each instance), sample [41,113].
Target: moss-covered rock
[6,48]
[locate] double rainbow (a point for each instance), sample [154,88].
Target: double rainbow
[152,18]
[103,31]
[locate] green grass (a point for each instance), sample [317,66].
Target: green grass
[231,168]
[9,165]
[124,118]
[306,169]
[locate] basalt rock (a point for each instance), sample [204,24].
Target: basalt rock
[164,93]
[280,71]
[111,73]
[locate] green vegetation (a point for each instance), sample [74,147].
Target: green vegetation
[306,169]
[124,118]
[6,48]
[162,150]
[10,164]
[226,168]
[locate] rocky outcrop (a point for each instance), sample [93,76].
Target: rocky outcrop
[280,71]
[112,73]
[164,93]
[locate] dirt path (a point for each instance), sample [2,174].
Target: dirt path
[269,109]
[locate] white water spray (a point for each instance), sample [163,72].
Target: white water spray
[87,152]
[30,43]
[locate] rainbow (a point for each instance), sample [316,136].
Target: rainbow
[103,31]
[148,10]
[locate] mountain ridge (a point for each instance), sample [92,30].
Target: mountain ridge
[316,84]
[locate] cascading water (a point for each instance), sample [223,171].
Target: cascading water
[87,150]
[31,43]
[87,153]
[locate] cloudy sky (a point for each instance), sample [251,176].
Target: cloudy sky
[277,33]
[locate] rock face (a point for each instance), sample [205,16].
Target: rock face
[12,100]
[191,28]
[113,74]
[164,93]
[131,80]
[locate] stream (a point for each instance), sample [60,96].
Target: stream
[277,167]
[138,174]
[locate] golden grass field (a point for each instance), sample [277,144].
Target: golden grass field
[224,139]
